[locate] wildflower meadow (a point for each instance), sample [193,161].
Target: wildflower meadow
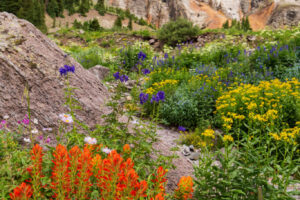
[233,102]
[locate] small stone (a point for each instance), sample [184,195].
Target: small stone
[186,150]
[129,98]
[195,156]
[152,41]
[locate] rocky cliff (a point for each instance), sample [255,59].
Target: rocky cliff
[213,13]
[27,57]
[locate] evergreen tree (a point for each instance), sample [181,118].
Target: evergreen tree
[247,24]
[226,25]
[60,6]
[84,7]
[77,24]
[100,7]
[94,25]
[69,5]
[130,24]
[11,6]
[52,8]
[118,22]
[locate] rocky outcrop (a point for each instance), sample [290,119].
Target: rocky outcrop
[27,57]
[213,13]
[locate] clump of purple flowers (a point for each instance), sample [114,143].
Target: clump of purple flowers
[160,96]
[146,71]
[64,70]
[181,129]
[144,98]
[142,56]
[122,78]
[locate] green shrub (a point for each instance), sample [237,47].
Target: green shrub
[177,31]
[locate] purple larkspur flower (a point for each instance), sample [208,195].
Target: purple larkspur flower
[124,78]
[166,56]
[154,98]
[146,71]
[161,95]
[181,128]
[143,98]
[64,70]
[142,56]
[117,75]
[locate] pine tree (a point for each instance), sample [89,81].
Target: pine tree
[52,8]
[130,24]
[11,6]
[60,6]
[118,22]
[226,25]
[84,7]
[94,25]
[100,7]
[247,24]
[69,5]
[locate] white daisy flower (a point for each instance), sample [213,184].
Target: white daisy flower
[36,121]
[27,140]
[35,131]
[106,150]
[6,117]
[90,140]
[66,118]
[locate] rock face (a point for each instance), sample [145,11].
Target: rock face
[213,13]
[27,57]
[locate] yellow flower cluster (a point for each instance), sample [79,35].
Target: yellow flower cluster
[287,135]
[209,133]
[159,85]
[263,104]
[227,138]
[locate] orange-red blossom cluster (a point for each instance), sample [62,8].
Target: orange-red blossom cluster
[76,171]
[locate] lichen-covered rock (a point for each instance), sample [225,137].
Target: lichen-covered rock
[27,57]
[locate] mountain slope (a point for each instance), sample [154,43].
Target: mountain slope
[213,13]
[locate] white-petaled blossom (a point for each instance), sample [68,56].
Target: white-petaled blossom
[27,140]
[66,118]
[6,117]
[90,140]
[36,121]
[106,150]
[35,131]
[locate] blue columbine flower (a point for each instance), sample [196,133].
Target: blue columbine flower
[142,56]
[146,71]
[181,128]
[143,98]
